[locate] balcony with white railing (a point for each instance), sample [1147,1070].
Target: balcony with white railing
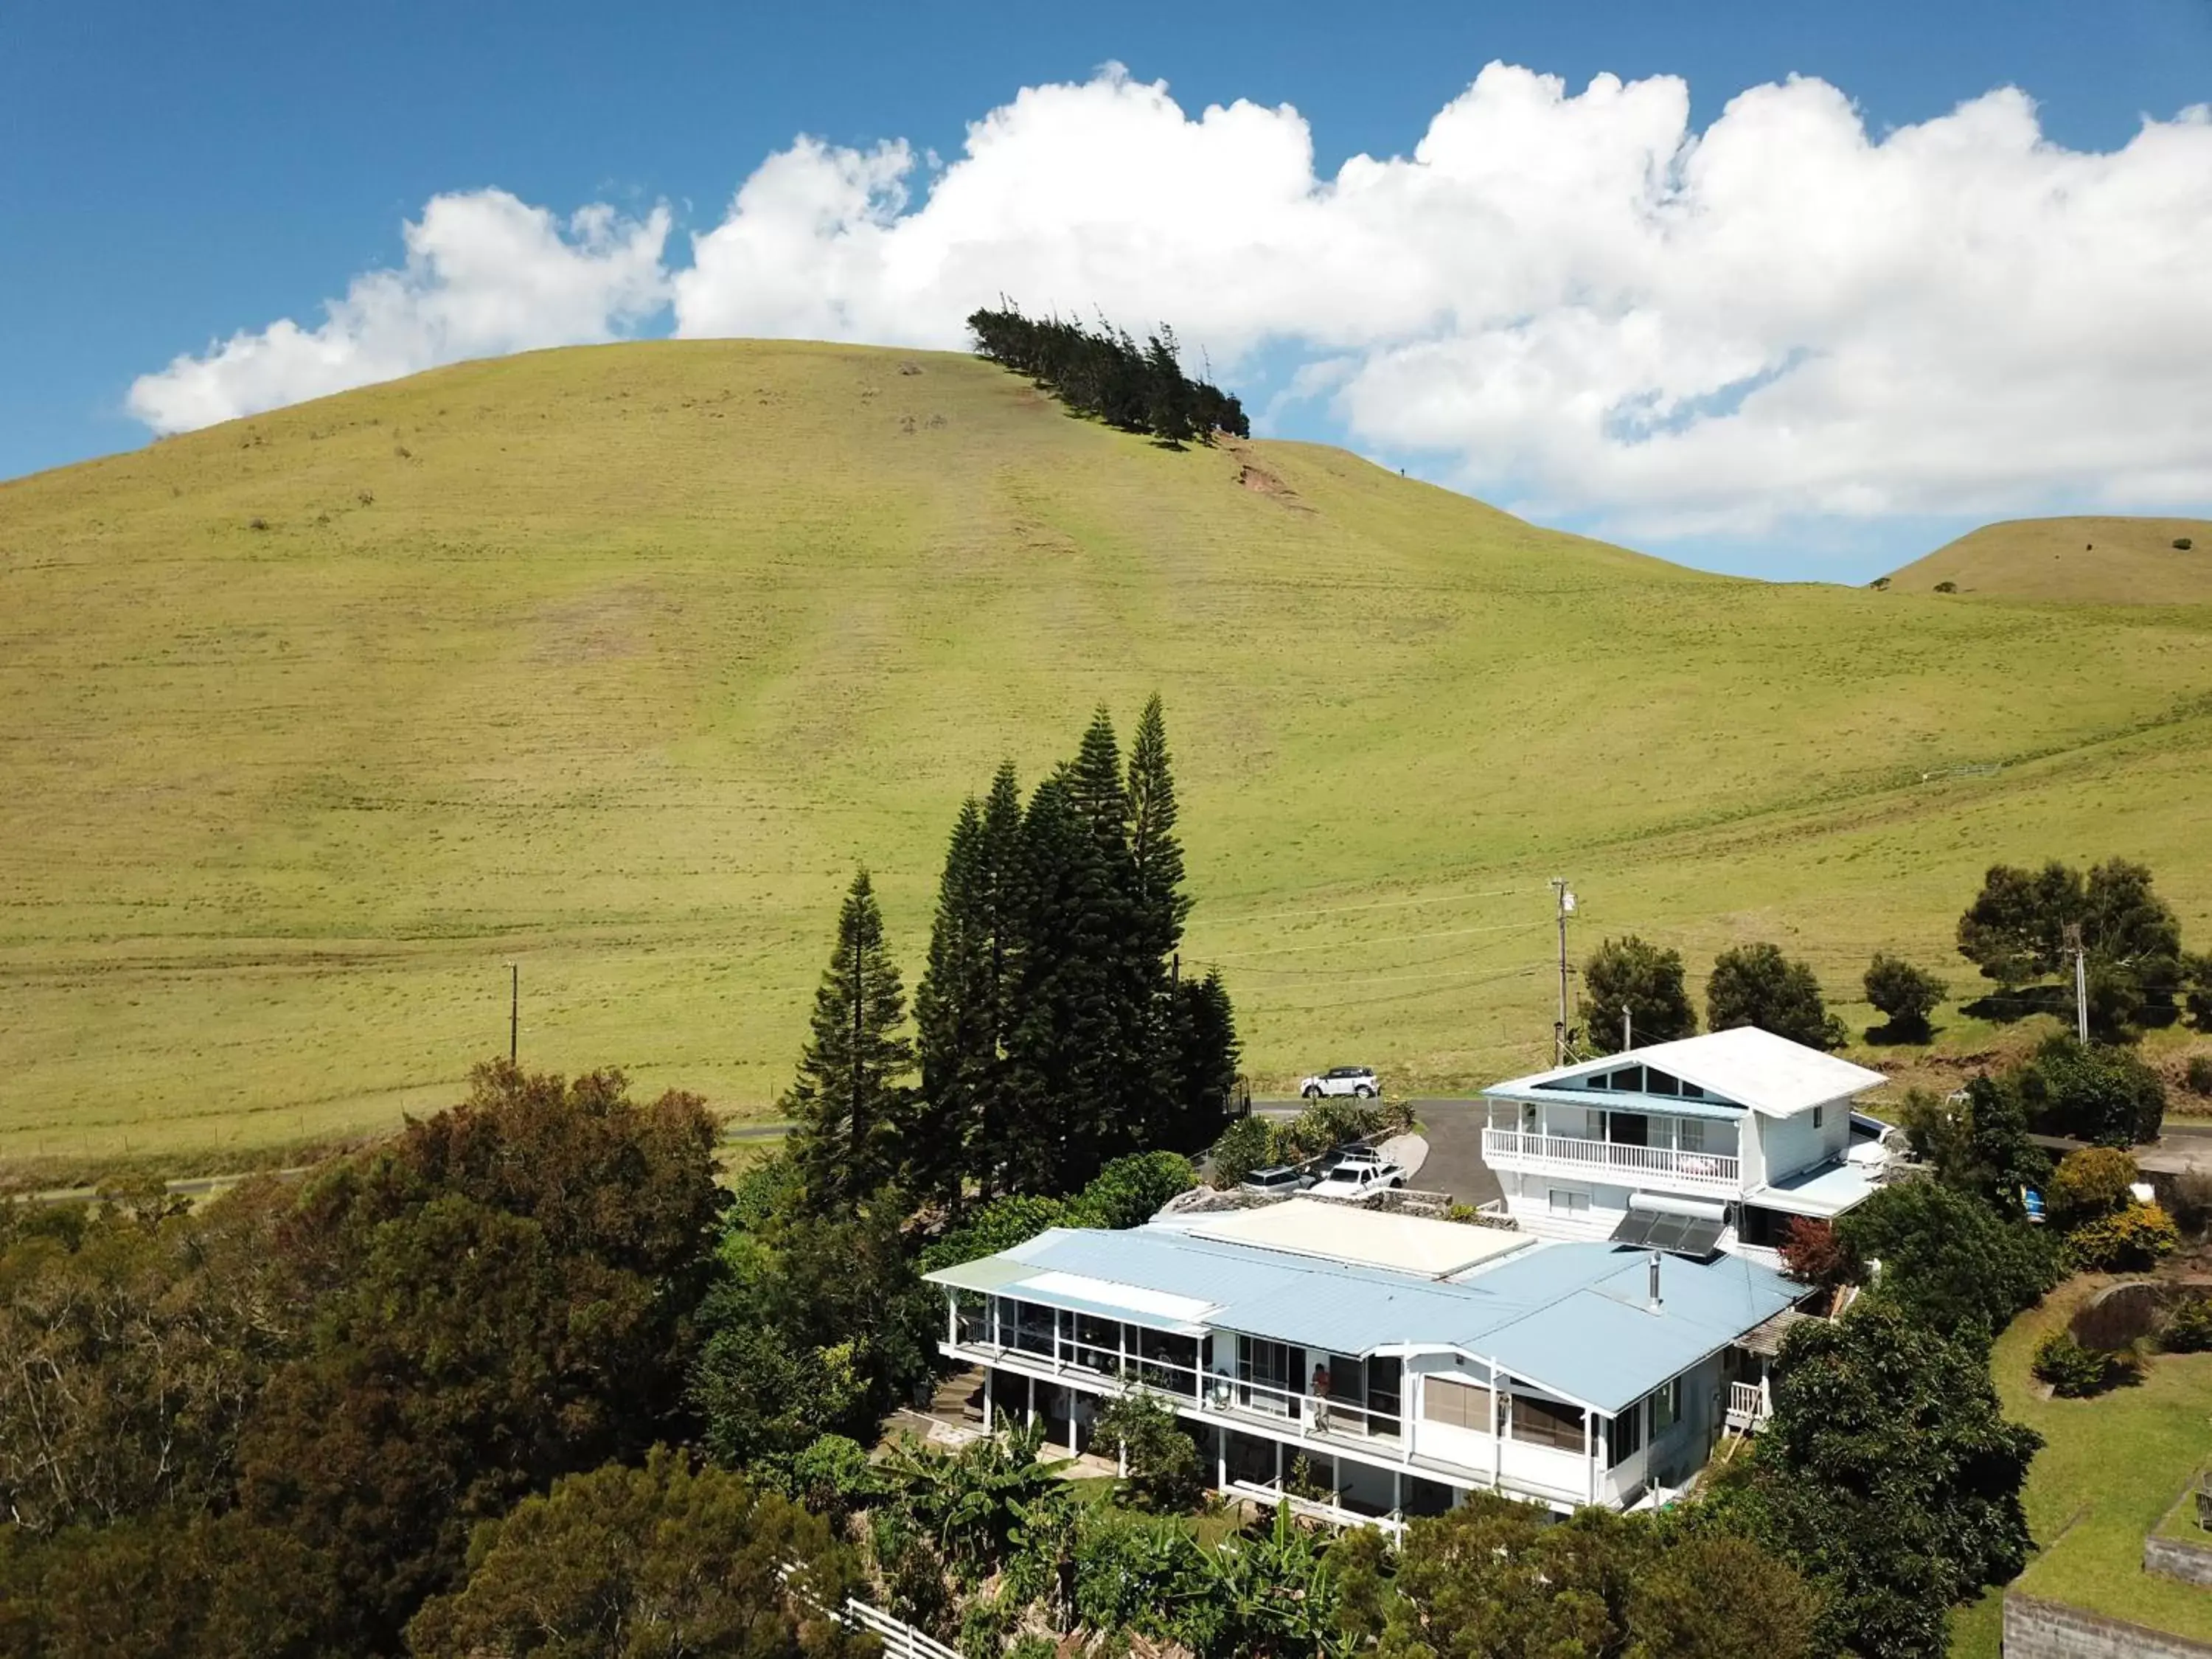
[1076,1350]
[1749,1406]
[1537,1153]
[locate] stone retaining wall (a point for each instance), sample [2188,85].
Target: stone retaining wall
[2035,1629]
[2177,1558]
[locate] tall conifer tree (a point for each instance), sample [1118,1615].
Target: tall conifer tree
[955,1021]
[1154,851]
[851,1091]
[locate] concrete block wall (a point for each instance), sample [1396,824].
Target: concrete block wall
[2035,1629]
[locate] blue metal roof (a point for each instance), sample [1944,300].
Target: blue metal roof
[1571,1318]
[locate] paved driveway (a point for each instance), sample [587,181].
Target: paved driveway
[1454,1128]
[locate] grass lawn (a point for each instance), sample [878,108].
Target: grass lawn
[2106,1478]
[615,662]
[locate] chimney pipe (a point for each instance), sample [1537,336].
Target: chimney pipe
[1654,1304]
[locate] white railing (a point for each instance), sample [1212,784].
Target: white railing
[1748,1406]
[1184,1385]
[1519,1149]
[901,1640]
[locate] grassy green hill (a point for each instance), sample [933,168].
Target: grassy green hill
[2107,560]
[613,662]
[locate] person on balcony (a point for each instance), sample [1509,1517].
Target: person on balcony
[1320,1392]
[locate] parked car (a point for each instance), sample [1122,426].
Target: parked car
[1361,1171]
[1284,1179]
[1355,1080]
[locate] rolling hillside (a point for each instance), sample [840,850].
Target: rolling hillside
[613,662]
[2091,560]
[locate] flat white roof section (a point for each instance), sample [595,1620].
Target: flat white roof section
[1372,1238]
[1079,1287]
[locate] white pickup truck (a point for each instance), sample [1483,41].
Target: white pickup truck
[1357,1171]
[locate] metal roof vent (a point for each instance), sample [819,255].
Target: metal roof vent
[1654,1304]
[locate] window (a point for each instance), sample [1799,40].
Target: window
[1817,1111]
[1624,1437]
[1666,1407]
[1455,1404]
[1690,1134]
[1268,1372]
[1630,1079]
[1656,1082]
[1563,1202]
[1542,1423]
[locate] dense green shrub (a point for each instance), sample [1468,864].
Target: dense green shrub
[2188,1328]
[1245,1145]
[1162,1460]
[1757,985]
[2075,1372]
[1905,994]
[1129,1191]
[2198,1074]
[2093,1092]
[2130,1240]
[2088,1184]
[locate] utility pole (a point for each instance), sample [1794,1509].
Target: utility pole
[1566,899]
[1627,1029]
[513,1012]
[2080,981]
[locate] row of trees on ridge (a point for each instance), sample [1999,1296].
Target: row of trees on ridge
[1104,372]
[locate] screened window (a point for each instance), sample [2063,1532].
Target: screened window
[1542,1423]
[1456,1405]
[1624,1437]
[1666,1407]
[1690,1134]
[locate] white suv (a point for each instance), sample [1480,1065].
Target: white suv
[1356,1080]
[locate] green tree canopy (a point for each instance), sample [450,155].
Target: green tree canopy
[1889,1475]
[630,1563]
[1640,978]
[2094,1092]
[1905,994]
[1496,1579]
[1948,1259]
[2017,928]
[851,1094]
[1757,985]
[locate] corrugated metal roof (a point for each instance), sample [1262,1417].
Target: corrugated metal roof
[1317,1226]
[1567,1317]
[1770,1074]
[1827,1191]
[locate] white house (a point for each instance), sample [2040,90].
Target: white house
[1713,1140]
[1407,1361]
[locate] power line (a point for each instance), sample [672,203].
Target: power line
[1213,920]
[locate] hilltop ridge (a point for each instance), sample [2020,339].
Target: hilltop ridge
[2105,560]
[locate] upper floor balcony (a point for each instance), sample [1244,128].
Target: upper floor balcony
[1532,1152]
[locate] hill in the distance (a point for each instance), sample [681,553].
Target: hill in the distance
[2112,561]
[614,662]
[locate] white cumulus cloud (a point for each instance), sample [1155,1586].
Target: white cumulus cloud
[1575,302]
[1576,299]
[485,274]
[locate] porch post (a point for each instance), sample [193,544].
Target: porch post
[989,1373]
[1496,1442]
[1032,1402]
[1056,1339]
[1221,1459]
[1278,1468]
[1594,1447]
[951,1317]
[1398,1493]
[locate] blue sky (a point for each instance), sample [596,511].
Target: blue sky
[175,175]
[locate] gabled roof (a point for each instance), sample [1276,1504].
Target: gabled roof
[1770,1074]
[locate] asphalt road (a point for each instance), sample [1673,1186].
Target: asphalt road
[1454,1128]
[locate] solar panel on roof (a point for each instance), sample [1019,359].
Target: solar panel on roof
[1635,1228]
[1678,1235]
